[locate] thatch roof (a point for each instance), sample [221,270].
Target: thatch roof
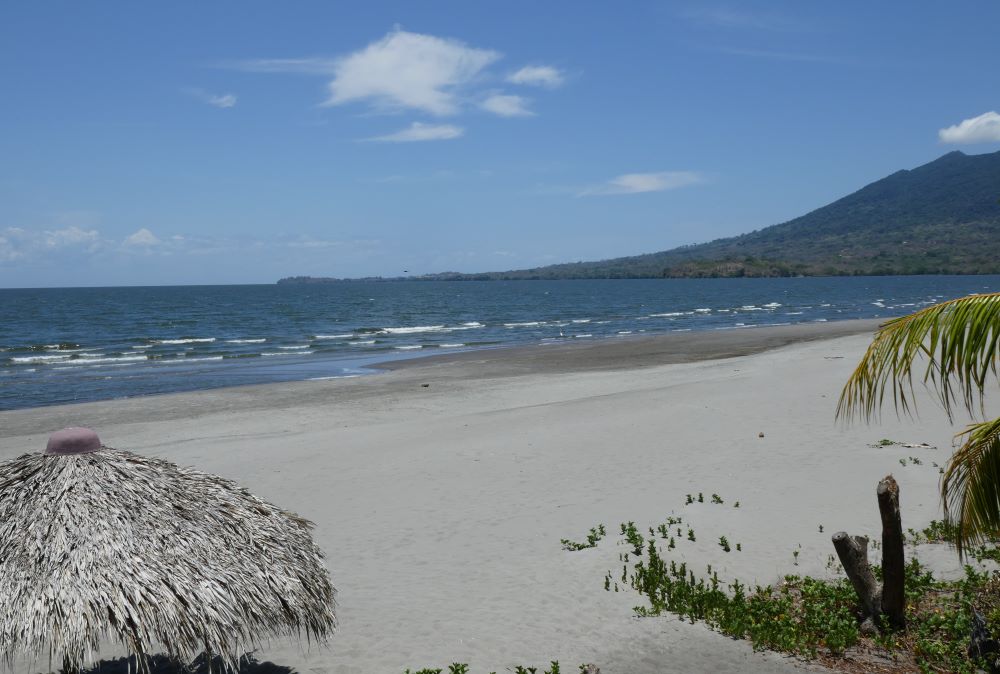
[111,545]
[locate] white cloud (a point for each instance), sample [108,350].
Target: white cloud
[142,238]
[982,129]
[70,237]
[222,101]
[17,243]
[420,132]
[409,70]
[507,105]
[215,100]
[538,76]
[636,183]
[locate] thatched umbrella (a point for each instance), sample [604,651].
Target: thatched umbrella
[101,544]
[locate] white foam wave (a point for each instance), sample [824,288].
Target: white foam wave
[199,359]
[624,332]
[294,348]
[104,361]
[39,359]
[336,376]
[191,340]
[472,325]
[412,330]
[259,340]
[668,314]
[143,346]
[704,310]
[362,342]
[525,324]
[772,305]
[344,336]
[285,353]
[584,335]
[451,346]
[581,320]
[409,347]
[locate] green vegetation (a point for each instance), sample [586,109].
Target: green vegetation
[957,343]
[816,618]
[463,668]
[596,534]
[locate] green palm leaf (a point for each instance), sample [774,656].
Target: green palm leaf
[956,345]
[957,339]
[971,485]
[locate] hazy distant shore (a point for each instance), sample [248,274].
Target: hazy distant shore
[441,489]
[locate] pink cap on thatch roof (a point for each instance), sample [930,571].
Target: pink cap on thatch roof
[76,440]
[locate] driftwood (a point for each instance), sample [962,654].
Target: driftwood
[889,600]
[893,565]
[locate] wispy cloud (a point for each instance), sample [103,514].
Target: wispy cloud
[982,129]
[726,17]
[777,55]
[21,246]
[408,71]
[418,131]
[538,76]
[507,105]
[305,66]
[637,183]
[17,243]
[222,101]
[215,100]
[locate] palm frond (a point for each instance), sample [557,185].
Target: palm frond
[958,339]
[971,485]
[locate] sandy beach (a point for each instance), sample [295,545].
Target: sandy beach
[441,488]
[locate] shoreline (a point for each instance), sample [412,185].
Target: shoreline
[613,353]
[440,508]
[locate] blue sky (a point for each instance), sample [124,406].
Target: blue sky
[238,142]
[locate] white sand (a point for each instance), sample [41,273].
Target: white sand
[441,508]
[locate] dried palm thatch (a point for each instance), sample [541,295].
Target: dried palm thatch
[110,545]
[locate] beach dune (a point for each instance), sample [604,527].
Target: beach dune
[440,490]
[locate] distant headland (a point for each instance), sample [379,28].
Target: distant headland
[939,218]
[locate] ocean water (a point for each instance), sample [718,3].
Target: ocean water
[81,344]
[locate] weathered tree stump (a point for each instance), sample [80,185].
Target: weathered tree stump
[853,553]
[893,564]
[982,645]
[889,600]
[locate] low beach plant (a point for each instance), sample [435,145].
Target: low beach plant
[818,618]
[463,668]
[595,535]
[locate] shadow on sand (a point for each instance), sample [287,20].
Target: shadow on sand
[161,664]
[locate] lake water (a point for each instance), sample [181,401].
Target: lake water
[79,344]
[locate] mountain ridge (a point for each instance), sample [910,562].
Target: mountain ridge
[942,217]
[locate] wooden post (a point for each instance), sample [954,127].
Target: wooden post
[853,553]
[893,564]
